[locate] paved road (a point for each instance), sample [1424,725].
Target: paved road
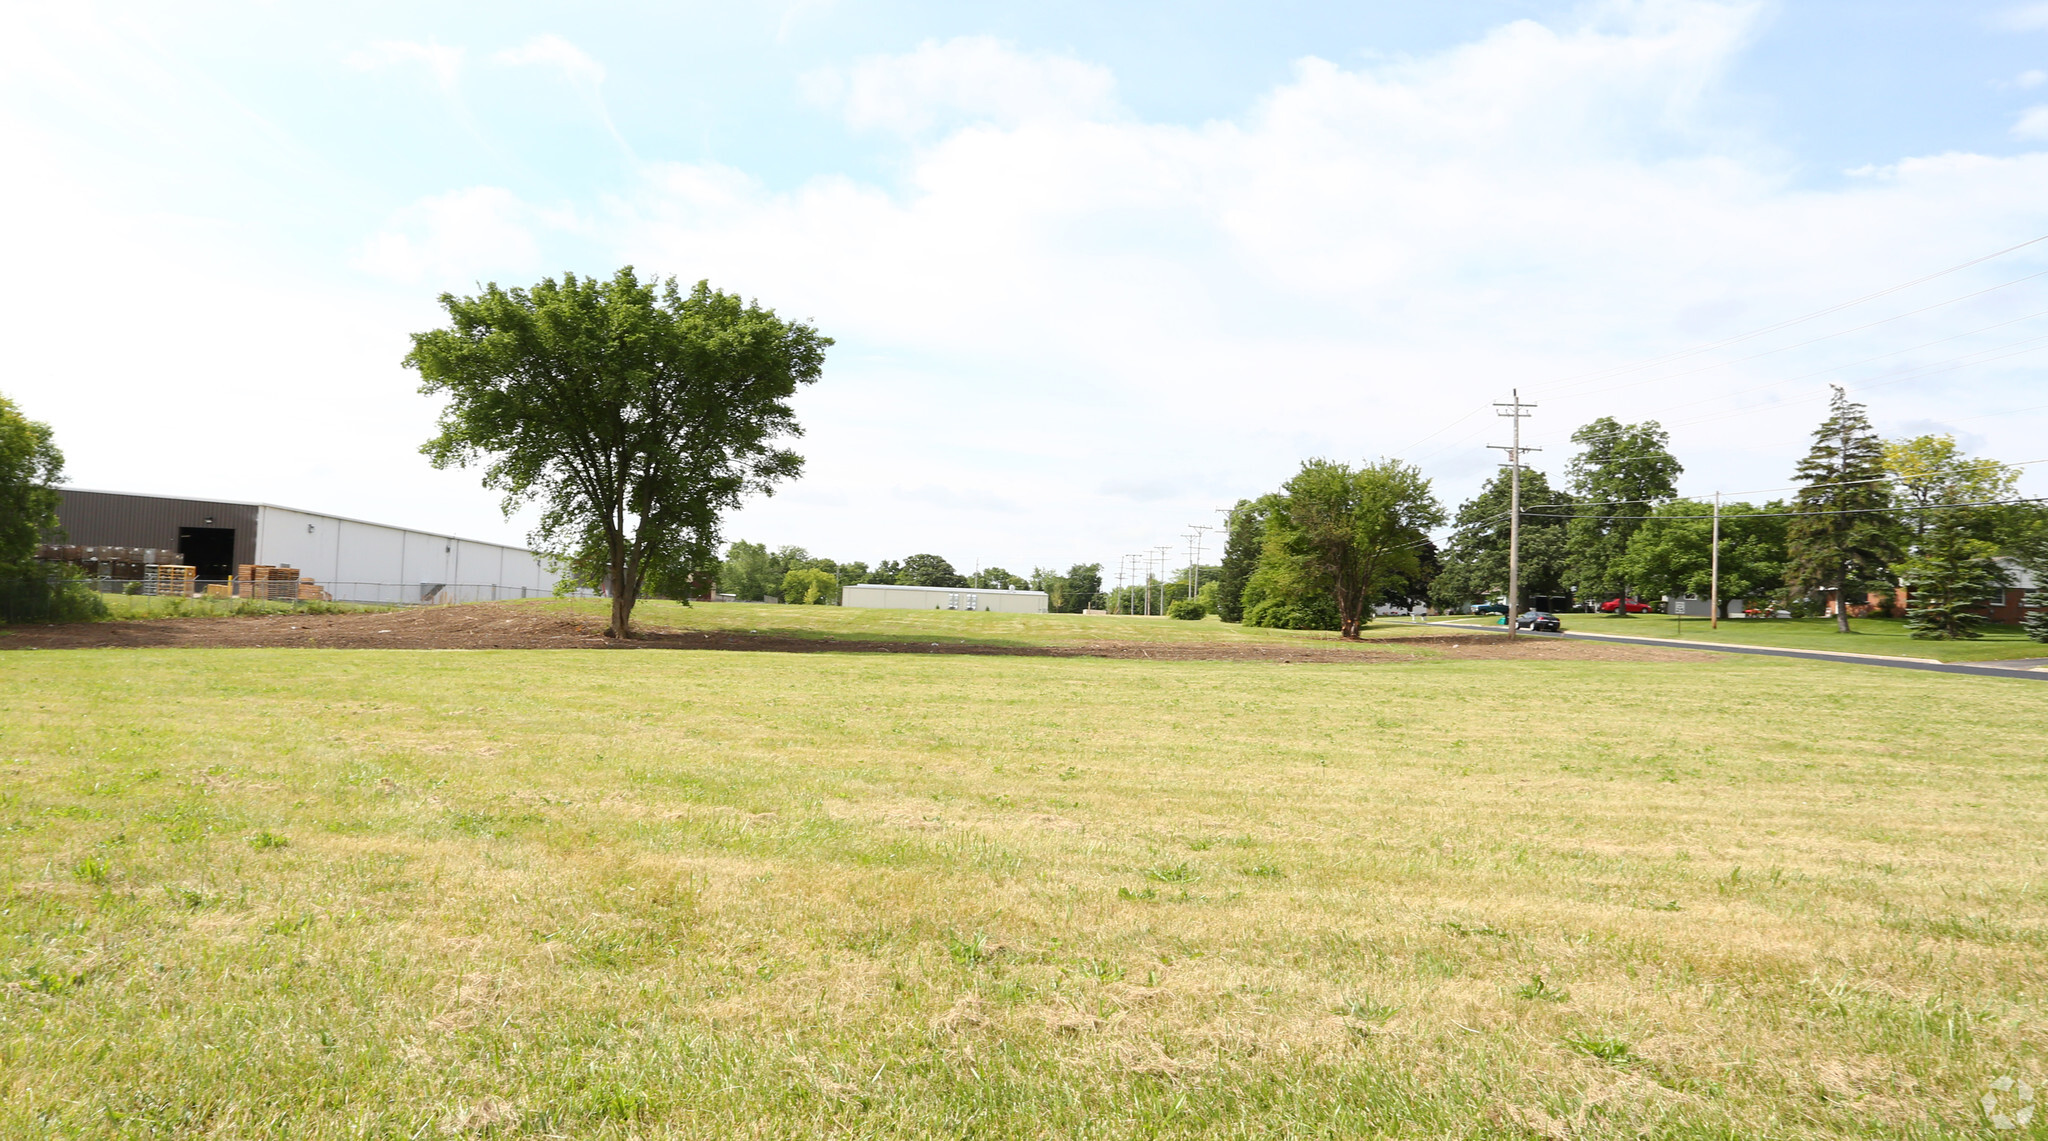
[2019,669]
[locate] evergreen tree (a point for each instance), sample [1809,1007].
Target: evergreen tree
[1844,532]
[2035,620]
[1952,569]
[1245,540]
[1620,473]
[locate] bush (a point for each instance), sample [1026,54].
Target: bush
[1186,608]
[46,599]
[1277,614]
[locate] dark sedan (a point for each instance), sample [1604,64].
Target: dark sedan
[1539,621]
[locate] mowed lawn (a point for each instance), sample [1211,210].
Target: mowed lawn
[310,894]
[1885,636]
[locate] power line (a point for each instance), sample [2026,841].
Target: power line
[1845,511]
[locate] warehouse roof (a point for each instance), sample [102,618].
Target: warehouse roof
[301,510]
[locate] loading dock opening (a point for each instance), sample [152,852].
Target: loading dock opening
[210,549]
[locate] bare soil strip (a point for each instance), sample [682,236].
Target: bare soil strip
[509,627]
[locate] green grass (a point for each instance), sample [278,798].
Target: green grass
[1866,636]
[317,894]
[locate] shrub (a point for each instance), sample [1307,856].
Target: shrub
[1186,608]
[1277,614]
[40,598]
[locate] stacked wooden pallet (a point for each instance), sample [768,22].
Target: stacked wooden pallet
[309,591]
[172,579]
[278,584]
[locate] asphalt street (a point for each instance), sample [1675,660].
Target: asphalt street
[2008,669]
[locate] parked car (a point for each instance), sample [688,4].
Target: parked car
[1539,621]
[1490,608]
[1634,607]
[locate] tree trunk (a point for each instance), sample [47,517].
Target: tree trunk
[621,591]
[1842,609]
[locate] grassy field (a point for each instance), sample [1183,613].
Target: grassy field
[1867,636]
[695,894]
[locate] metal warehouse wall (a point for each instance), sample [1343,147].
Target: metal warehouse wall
[877,596]
[115,519]
[330,549]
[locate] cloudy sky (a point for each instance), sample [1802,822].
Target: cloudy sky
[1094,270]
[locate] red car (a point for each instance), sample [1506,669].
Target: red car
[1634,607]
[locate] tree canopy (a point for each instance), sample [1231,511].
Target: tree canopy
[1349,534]
[1475,562]
[633,413]
[1620,472]
[1950,566]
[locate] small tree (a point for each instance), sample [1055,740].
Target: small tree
[31,467]
[809,586]
[1952,568]
[1845,531]
[1352,534]
[633,413]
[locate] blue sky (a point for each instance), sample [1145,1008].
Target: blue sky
[1094,270]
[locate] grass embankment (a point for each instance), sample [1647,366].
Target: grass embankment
[964,627]
[1885,636]
[141,606]
[372,894]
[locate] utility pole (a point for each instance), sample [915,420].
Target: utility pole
[1514,451]
[1195,564]
[1714,576]
[1164,550]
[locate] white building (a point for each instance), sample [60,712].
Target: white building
[350,559]
[882,597]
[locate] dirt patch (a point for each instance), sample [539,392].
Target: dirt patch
[488,626]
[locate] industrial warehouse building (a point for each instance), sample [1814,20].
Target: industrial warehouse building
[945,598]
[349,559]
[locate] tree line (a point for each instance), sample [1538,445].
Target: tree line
[1868,516]
[751,572]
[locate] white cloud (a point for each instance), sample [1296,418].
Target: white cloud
[970,78]
[2032,123]
[2023,18]
[1359,258]
[444,63]
[550,50]
[460,237]
[2030,79]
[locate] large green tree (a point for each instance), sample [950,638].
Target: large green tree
[1844,531]
[1620,472]
[1949,501]
[633,413]
[30,469]
[1475,561]
[1673,552]
[1350,534]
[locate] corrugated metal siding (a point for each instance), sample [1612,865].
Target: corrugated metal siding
[110,519]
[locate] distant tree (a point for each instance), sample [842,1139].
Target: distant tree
[1349,534]
[853,574]
[2027,543]
[1844,532]
[996,578]
[1673,552]
[633,413]
[746,573]
[809,586]
[1243,544]
[1620,472]
[888,572]
[1070,592]
[1951,567]
[1186,609]
[1475,560]
[928,570]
